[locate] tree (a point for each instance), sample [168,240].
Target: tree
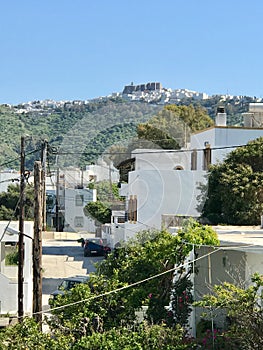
[26,335]
[195,117]
[108,199]
[100,314]
[9,203]
[153,253]
[142,272]
[155,137]
[144,337]
[99,211]
[172,127]
[235,193]
[107,192]
[244,312]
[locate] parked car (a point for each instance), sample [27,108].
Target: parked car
[67,284]
[96,246]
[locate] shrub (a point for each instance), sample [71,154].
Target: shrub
[11,258]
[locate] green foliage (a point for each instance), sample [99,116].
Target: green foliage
[198,234]
[172,127]
[244,309]
[235,194]
[100,125]
[120,133]
[99,211]
[156,137]
[9,203]
[108,198]
[91,128]
[26,335]
[110,298]
[113,308]
[143,338]
[107,191]
[94,130]
[196,118]
[153,253]
[11,258]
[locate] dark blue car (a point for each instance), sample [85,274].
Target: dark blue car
[95,246]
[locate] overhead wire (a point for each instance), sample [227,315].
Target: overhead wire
[127,286]
[152,151]
[178,267]
[18,158]
[11,218]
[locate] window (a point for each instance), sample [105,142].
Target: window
[132,209]
[79,221]
[194,160]
[79,200]
[121,220]
[207,157]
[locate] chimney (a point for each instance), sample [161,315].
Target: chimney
[221,116]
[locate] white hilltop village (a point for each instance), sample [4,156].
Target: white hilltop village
[160,188]
[152,92]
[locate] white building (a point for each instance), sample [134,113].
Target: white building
[75,202]
[164,185]
[235,261]
[72,187]
[9,274]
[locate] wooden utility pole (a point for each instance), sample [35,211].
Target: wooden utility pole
[110,180]
[37,243]
[43,163]
[21,233]
[57,201]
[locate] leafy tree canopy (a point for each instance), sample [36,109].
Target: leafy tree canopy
[107,199]
[195,117]
[9,203]
[244,310]
[153,253]
[100,313]
[99,211]
[235,194]
[172,127]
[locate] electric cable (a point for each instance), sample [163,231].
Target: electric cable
[152,151]
[186,264]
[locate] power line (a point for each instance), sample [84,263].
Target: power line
[57,152]
[9,162]
[10,180]
[186,264]
[18,158]
[12,216]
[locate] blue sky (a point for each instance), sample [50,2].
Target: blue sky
[80,49]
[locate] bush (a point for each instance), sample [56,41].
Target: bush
[11,258]
[156,337]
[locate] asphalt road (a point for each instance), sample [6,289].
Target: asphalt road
[60,259]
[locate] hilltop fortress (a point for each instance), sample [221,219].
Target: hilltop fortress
[129,89]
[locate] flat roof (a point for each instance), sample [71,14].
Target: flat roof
[240,235]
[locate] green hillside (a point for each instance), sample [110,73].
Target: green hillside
[79,133]
[70,130]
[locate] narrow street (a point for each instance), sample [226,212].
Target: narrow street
[63,258]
